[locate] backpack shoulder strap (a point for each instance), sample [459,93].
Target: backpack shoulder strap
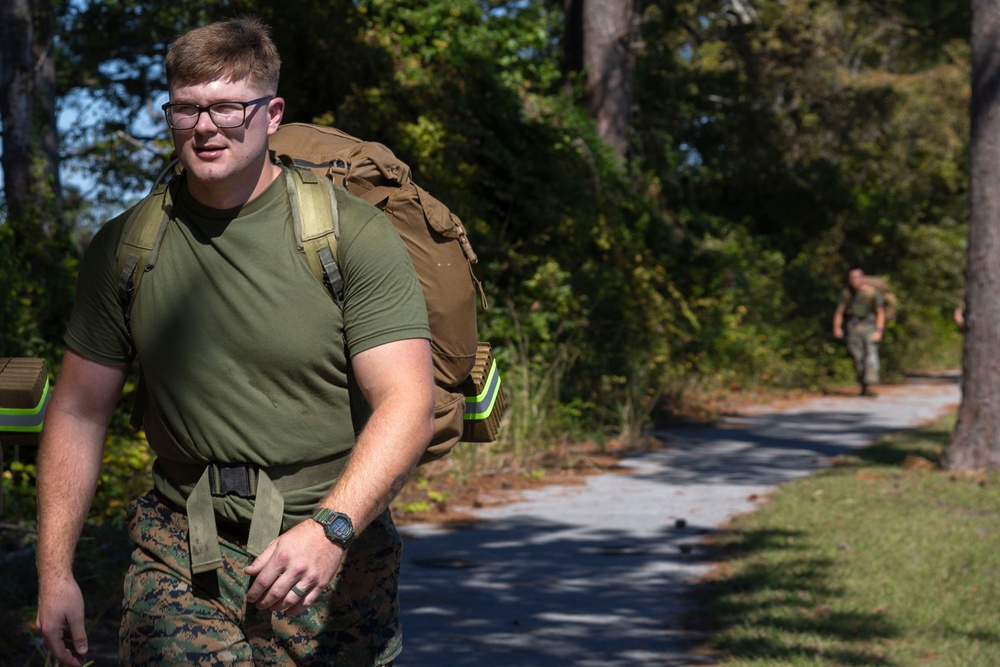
[317,226]
[139,244]
[136,254]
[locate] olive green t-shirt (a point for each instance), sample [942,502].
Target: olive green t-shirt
[242,349]
[863,303]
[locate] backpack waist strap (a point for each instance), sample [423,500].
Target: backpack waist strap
[201,482]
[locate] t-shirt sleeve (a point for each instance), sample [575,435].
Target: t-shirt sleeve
[97,329]
[383,300]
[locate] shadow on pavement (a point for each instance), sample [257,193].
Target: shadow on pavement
[602,574]
[525,591]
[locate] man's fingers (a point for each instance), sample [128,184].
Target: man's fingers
[77,636]
[75,640]
[260,561]
[68,646]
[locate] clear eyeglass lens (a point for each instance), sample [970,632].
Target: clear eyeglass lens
[224,114]
[227,115]
[182,116]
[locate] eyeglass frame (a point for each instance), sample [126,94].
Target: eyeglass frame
[167,112]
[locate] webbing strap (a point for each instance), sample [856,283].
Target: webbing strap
[264,486]
[265,526]
[136,254]
[317,225]
[202,531]
[268,509]
[139,245]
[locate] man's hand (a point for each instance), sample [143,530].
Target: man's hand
[302,558]
[838,333]
[69,465]
[61,620]
[877,336]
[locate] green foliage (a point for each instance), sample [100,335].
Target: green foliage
[432,500]
[766,158]
[821,137]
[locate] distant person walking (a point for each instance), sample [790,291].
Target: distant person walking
[862,308]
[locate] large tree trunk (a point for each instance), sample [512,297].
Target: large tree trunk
[35,281]
[975,442]
[610,31]
[28,109]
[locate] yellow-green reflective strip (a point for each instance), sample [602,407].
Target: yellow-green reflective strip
[25,420]
[481,406]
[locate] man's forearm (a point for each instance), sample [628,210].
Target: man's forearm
[69,464]
[383,459]
[69,455]
[398,381]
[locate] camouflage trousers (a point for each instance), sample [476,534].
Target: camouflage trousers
[172,618]
[864,352]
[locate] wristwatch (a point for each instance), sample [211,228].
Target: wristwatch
[337,525]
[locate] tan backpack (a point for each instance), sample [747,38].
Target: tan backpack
[469,399]
[889,300]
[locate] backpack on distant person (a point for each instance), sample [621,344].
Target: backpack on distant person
[469,399]
[890,302]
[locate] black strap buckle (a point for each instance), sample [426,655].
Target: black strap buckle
[239,480]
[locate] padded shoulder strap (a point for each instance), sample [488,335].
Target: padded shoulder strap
[139,245]
[317,226]
[136,254]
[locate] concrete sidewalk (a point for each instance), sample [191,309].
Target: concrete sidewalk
[597,574]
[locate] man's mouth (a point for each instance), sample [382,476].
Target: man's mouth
[207,151]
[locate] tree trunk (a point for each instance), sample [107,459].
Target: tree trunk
[28,109]
[975,443]
[572,36]
[610,30]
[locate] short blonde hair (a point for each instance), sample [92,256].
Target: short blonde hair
[232,50]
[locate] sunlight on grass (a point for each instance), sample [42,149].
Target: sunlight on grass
[882,560]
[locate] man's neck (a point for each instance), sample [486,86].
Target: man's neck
[235,191]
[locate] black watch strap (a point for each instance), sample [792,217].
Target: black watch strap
[337,525]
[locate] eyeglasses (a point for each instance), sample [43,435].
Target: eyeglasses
[223,114]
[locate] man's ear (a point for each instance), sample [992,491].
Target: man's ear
[275,111]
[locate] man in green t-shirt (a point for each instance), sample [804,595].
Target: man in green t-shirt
[862,309]
[267,538]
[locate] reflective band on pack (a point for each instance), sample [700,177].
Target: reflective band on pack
[25,420]
[481,406]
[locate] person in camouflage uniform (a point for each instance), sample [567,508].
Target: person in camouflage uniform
[862,308]
[266,539]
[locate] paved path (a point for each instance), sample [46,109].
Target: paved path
[596,575]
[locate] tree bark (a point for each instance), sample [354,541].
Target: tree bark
[974,442]
[610,31]
[28,109]
[572,36]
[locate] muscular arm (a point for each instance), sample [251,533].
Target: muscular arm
[69,462]
[397,379]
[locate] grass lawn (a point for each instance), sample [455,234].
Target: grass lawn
[884,559]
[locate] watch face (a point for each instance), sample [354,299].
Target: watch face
[341,527]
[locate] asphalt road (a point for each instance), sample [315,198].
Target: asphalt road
[598,574]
